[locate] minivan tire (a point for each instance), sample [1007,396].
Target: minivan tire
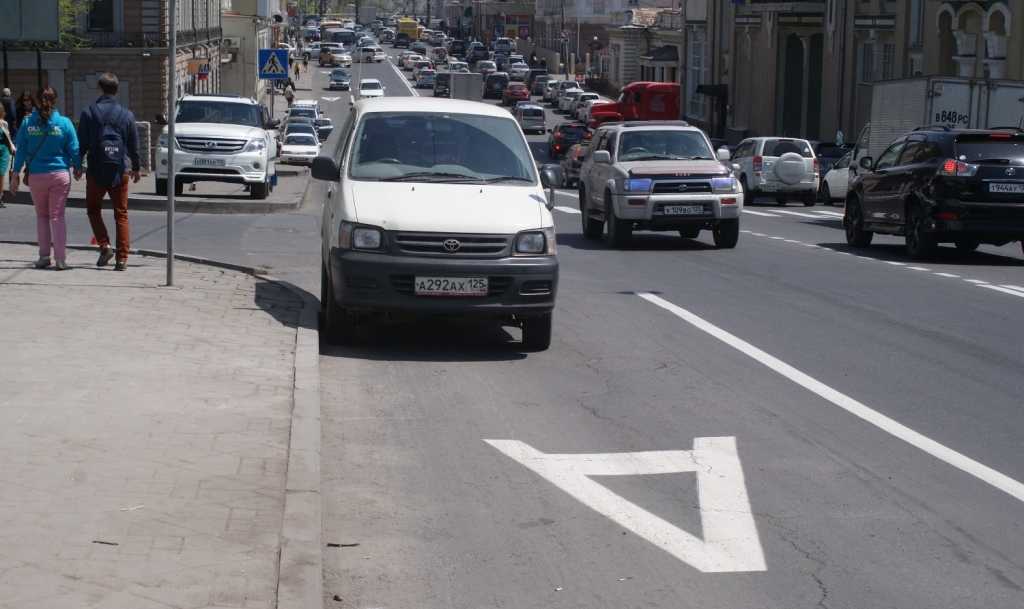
[161,187]
[592,227]
[339,324]
[781,199]
[537,333]
[826,195]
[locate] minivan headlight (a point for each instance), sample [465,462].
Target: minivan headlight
[535,243]
[256,144]
[725,184]
[636,185]
[361,237]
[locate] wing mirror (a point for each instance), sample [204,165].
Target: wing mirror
[866,162]
[273,123]
[723,154]
[325,168]
[161,119]
[602,156]
[551,176]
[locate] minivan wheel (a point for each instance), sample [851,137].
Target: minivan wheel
[620,232]
[826,195]
[161,187]
[537,333]
[810,199]
[339,325]
[920,244]
[726,233]
[853,222]
[260,191]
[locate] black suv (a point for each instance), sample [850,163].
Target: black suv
[458,48]
[401,40]
[564,135]
[938,185]
[495,84]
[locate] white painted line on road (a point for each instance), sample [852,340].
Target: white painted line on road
[834,214]
[895,263]
[777,238]
[811,244]
[791,241]
[330,99]
[977,281]
[759,213]
[948,275]
[401,75]
[798,213]
[567,210]
[1003,289]
[759,234]
[1014,287]
[730,543]
[918,268]
[941,452]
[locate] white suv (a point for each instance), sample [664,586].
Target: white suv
[218,138]
[657,176]
[778,166]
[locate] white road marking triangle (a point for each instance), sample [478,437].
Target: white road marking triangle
[730,543]
[330,98]
[834,214]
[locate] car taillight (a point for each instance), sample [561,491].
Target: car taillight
[757,163]
[558,134]
[588,135]
[953,168]
[999,135]
[815,167]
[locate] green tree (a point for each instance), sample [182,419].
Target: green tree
[70,12]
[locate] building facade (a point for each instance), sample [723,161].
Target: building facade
[568,27]
[248,26]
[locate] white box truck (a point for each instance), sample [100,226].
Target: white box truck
[900,106]
[367,15]
[467,86]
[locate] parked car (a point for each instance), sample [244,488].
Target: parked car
[836,181]
[829,153]
[426,78]
[340,79]
[940,185]
[530,116]
[564,135]
[370,87]
[336,57]
[494,84]
[300,148]
[515,92]
[572,162]
[778,166]
[657,175]
[384,239]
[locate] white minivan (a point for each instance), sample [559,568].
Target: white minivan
[436,211]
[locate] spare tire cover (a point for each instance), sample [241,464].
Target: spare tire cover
[791,168]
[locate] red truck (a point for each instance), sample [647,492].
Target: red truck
[645,101]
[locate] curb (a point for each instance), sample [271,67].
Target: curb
[300,570]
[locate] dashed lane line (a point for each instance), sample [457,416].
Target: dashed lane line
[567,210]
[759,213]
[1004,289]
[798,213]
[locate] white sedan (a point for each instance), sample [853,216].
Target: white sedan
[370,87]
[836,181]
[410,62]
[299,148]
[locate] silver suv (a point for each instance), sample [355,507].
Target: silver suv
[657,176]
[218,138]
[778,166]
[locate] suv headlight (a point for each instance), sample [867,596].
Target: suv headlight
[636,185]
[161,142]
[363,238]
[256,144]
[535,243]
[725,184]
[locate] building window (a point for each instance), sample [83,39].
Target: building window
[916,22]
[914,64]
[634,2]
[888,59]
[101,16]
[726,27]
[599,7]
[867,61]
[696,70]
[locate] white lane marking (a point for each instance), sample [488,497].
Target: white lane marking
[567,210]
[941,452]
[976,281]
[759,234]
[798,213]
[895,263]
[1014,287]
[778,238]
[730,541]
[948,275]
[918,268]
[1003,289]
[759,213]
[330,99]
[834,214]
[791,241]
[811,245]
[401,76]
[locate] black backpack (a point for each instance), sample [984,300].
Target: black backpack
[106,165]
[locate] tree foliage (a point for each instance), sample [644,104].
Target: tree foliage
[70,13]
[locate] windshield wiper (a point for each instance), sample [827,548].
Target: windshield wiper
[419,175]
[508,179]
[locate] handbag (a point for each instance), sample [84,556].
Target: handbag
[24,177]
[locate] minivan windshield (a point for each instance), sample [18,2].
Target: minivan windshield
[647,145]
[208,111]
[440,147]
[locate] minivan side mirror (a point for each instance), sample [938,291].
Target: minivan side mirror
[161,119]
[602,156]
[551,176]
[325,168]
[272,123]
[866,162]
[723,154]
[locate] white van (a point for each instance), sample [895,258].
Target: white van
[436,211]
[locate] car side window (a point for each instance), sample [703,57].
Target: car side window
[346,135]
[843,162]
[930,151]
[595,146]
[888,158]
[910,151]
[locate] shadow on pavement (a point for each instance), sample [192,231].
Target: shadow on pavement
[429,342]
[649,242]
[282,303]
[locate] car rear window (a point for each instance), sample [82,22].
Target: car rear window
[832,151]
[533,112]
[500,77]
[779,147]
[996,148]
[573,129]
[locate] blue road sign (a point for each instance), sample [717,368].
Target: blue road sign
[273,63]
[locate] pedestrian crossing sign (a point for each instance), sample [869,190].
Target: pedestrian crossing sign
[273,63]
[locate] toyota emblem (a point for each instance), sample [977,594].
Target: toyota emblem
[451,245]
[683,187]
[1010,171]
[211,145]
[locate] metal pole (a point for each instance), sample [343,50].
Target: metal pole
[172,98]
[842,74]
[39,67]
[6,82]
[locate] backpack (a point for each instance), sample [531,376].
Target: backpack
[106,165]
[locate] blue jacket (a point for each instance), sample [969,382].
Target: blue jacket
[89,127]
[58,152]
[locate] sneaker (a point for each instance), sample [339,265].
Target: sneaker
[61,265]
[105,255]
[121,266]
[43,262]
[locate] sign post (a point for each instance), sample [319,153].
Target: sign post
[273,64]
[172,95]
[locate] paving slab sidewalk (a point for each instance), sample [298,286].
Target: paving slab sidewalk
[144,434]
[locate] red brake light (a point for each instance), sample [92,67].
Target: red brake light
[757,163]
[588,135]
[558,134]
[999,135]
[954,168]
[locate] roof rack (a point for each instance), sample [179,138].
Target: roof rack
[648,123]
[213,95]
[933,128]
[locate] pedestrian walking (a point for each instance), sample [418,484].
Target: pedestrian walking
[109,138]
[47,148]
[22,108]
[7,103]
[289,93]
[7,150]
[298,69]
[305,64]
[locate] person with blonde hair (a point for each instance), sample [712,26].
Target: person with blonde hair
[6,151]
[48,149]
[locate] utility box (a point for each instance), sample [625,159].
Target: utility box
[467,86]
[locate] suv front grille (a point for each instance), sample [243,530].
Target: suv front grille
[468,245]
[211,144]
[674,188]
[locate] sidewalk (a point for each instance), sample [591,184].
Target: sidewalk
[147,436]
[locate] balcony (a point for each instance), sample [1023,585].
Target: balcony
[116,40]
[801,6]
